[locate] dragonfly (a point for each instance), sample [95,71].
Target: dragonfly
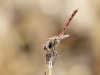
[52,42]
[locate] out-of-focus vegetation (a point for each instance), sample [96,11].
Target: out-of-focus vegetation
[25,24]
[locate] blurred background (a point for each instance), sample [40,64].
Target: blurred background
[25,24]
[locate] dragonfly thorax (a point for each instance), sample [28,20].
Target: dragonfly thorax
[53,43]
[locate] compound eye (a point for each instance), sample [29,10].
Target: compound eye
[50,45]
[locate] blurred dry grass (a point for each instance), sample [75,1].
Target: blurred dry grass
[25,24]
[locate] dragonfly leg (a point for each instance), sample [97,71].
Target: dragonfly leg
[55,54]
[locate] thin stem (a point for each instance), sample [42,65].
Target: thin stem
[48,66]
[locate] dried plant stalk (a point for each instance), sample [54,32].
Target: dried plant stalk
[48,66]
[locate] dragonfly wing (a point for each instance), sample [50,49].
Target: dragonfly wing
[49,39]
[63,37]
[46,43]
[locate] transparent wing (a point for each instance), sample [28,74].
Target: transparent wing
[51,38]
[46,43]
[48,40]
[63,37]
